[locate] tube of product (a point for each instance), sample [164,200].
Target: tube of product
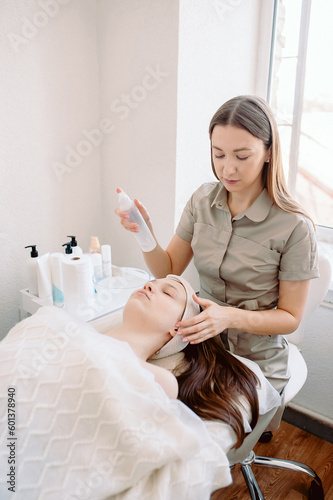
[44,279]
[144,237]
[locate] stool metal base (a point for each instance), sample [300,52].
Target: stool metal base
[252,484]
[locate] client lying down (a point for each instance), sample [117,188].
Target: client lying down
[95,420]
[211,380]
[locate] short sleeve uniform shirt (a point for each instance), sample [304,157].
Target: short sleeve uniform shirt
[240,261]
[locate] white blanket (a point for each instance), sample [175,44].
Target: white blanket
[90,422]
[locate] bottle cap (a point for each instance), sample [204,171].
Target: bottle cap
[73,241]
[124,201]
[95,243]
[68,248]
[33,252]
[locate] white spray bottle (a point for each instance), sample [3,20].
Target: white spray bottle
[144,237]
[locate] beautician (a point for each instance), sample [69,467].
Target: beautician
[253,246]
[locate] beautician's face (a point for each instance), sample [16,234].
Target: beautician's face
[162,303]
[238,159]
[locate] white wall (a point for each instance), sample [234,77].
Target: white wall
[138,60]
[223,46]
[70,68]
[49,93]
[212,69]
[317,348]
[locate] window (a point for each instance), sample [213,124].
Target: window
[301,97]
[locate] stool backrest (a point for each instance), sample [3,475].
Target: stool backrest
[317,292]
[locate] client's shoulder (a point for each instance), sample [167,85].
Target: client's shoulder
[164,378]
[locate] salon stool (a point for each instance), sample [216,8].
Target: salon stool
[298,374]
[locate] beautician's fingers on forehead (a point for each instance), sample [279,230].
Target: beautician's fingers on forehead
[209,323]
[203,302]
[193,323]
[197,318]
[199,337]
[197,333]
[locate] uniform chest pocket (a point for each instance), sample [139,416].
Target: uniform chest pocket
[209,245]
[252,264]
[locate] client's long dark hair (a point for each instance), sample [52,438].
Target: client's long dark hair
[212,383]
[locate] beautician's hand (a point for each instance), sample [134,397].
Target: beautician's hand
[131,226]
[209,323]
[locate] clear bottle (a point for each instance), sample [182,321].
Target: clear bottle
[144,237]
[106,260]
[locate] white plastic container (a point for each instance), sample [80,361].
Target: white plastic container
[106,260]
[96,259]
[32,271]
[144,237]
[44,279]
[95,254]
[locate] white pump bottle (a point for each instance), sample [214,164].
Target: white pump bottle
[144,236]
[32,270]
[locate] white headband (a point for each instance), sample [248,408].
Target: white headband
[176,344]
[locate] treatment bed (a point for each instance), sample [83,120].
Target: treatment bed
[91,423]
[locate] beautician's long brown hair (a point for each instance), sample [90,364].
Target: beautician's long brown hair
[253,114]
[212,383]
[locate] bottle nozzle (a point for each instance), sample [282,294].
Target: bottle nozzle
[124,200]
[33,252]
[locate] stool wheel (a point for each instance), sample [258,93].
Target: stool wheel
[266,437]
[316,492]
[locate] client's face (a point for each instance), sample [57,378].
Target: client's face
[159,304]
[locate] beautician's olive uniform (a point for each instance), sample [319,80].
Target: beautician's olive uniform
[240,261]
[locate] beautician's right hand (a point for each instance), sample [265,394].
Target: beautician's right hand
[131,226]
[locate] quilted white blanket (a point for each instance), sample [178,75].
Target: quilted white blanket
[82,419]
